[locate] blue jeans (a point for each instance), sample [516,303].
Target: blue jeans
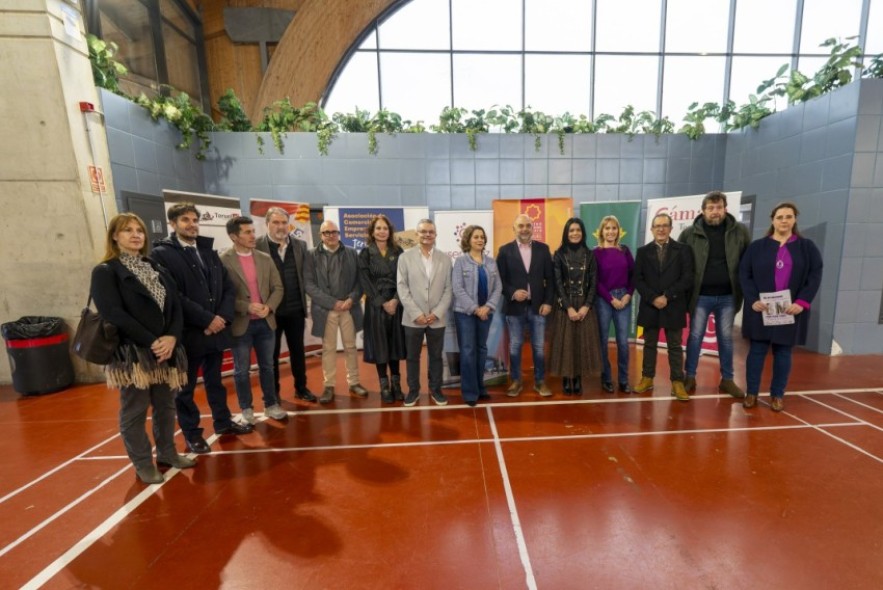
[537,326]
[472,339]
[621,319]
[724,311]
[754,367]
[259,336]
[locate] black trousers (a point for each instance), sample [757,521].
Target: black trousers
[673,338]
[435,345]
[215,393]
[293,328]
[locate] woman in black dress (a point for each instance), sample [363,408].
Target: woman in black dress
[576,348]
[384,337]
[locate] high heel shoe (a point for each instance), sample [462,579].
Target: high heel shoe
[567,386]
[577,386]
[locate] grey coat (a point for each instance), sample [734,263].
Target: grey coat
[316,283]
[422,295]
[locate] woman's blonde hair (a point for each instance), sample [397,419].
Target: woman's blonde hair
[605,221]
[116,225]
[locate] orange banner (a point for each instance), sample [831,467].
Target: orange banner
[548,217]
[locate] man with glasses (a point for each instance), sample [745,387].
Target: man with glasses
[663,277]
[331,275]
[718,242]
[425,290]
[528,279]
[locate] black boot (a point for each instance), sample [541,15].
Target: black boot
[567,386]
[386,395]
[396,387]
[577,386]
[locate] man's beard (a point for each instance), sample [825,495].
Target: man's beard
[717,221]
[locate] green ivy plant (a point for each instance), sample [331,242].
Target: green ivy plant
[282,117]
[106,70]
[182,113]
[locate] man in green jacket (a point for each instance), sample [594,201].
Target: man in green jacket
[718,242]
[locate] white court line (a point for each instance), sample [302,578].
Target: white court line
[529,578]
[858,403]
[130,506]
[56,469]
[60,513]
[102,529]
[837,438]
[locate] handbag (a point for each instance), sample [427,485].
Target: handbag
[96,339]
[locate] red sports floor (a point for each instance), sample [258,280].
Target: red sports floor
[603,491]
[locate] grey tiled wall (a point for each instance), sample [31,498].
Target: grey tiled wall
[143,153]
[440,171]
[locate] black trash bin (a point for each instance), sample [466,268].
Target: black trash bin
[39,356]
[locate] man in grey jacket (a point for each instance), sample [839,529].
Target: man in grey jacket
[331,275]
[424,287]
[718,242]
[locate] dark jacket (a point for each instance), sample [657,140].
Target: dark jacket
[322,300]
[123,301]
[736,240]
[757,275]
[674,279]
[541,277]
[202,298]
[298,250]
[576,278]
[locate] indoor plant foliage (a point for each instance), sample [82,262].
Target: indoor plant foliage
[282,117]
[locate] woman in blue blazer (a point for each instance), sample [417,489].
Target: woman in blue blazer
[782,260]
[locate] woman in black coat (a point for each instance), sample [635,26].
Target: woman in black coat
[576,350]
[149,366]
[783,260]
[383,334]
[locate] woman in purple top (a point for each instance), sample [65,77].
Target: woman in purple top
[616,283]
[783,260]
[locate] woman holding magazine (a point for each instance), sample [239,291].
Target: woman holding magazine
[780,275]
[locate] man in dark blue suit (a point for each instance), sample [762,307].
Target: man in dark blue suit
[528,279]
[207,297]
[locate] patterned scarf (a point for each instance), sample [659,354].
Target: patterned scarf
[148,276]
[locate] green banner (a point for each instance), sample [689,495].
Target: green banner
[629,215]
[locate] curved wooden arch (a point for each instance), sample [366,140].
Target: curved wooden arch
[314,43]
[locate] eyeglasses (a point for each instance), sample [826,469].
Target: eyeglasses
[428,232]
[666,226]
[330,233]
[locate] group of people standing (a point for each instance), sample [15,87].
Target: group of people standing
[179,308]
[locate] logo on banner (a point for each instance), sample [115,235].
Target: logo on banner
[535,209]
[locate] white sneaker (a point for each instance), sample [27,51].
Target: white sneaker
[248,416]
[275,412]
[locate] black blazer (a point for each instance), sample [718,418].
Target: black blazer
[123,301]
[674,279]
[201,298]
[541,277]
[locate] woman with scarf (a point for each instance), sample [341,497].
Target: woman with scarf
[149,366]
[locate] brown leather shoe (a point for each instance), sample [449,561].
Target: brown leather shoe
[729,386]
[542,389]
[777,404]
[515,388]
[690,384]
[677,390]
[749,401]
[644,385]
